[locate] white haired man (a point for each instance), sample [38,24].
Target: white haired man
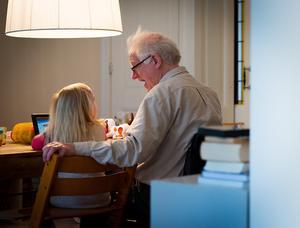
[175,106]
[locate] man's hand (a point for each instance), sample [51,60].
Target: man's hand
[57,147]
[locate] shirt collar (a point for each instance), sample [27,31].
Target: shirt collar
[174,72]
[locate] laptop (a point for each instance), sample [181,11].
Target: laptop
[40,122]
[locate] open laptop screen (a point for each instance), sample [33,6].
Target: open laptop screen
[40,122]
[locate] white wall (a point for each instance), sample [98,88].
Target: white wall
[214,57]
[214,43]
[275,112]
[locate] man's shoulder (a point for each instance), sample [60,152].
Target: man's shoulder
[184,82]
[172,87]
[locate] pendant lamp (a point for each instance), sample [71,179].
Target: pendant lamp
[63,18]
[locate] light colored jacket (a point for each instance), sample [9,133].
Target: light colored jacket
[166,120]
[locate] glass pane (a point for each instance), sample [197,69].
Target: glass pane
[240,51]
[239,45]
[240,15]
[240,93]
[240,75]
[240,31]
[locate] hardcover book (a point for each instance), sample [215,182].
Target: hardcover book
[224,131]
[242,139]
[225,176]
[229,167]
[234,152]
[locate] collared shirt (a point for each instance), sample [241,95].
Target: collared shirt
[166,120]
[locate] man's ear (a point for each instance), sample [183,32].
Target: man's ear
[157,60]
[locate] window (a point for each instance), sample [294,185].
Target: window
[239,64]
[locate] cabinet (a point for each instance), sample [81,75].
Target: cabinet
[183,202]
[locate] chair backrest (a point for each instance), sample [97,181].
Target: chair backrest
[117,181]
[193,163]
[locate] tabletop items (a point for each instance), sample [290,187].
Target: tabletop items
[3,132]
[23,133]
[114,131]
[1,136]
[116,128]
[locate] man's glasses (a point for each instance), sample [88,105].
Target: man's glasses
[136,65]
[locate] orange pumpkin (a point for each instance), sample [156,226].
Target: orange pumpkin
[23,133]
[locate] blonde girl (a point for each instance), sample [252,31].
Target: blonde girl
[73,116]
[73,119]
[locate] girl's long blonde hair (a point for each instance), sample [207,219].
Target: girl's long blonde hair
[71,114]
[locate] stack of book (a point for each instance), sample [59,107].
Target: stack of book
[226,151]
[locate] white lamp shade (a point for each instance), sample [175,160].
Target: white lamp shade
[63,18]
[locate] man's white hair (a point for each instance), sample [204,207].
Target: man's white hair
[144,43]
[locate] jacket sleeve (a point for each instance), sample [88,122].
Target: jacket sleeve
[145,134]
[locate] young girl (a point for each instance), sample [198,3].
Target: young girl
[73,119]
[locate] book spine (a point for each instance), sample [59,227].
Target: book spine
[225,183]
[225,176]
[227,140]
[225,152]
[229,167]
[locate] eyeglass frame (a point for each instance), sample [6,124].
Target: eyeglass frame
[136,65]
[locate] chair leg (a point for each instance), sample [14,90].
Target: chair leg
[42,197]
[48,224]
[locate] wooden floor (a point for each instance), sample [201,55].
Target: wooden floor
[61,223]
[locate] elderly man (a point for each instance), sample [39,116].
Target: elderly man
[175,106]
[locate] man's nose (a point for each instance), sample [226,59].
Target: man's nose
[134,75]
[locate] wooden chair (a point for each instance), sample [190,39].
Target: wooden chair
[117,181]
[193,163]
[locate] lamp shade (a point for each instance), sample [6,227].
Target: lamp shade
[63,18]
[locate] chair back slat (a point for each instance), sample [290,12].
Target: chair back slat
[82,164]
[90,186]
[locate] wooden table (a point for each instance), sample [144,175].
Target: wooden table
[19,161]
